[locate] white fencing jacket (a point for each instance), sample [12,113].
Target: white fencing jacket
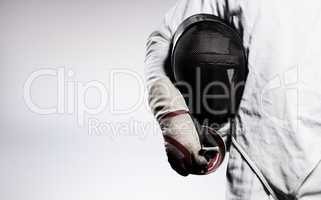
[279,121]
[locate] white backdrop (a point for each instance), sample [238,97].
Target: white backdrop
[60,60]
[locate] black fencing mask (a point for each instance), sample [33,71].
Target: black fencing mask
[210,69]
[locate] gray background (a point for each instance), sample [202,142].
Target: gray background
[52,156]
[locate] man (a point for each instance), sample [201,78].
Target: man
[275,151]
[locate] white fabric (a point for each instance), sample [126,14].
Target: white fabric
[242,182]
[164,98]
[279,121]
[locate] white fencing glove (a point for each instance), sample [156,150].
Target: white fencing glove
[182,142]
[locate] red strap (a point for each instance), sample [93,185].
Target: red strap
[173,114]
[179,146]
[214,163]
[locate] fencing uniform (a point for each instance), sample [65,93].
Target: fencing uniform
[275,150]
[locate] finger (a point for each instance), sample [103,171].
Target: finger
[199,165]
[178,165]
[179,156]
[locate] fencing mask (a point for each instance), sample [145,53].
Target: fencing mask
[210,69]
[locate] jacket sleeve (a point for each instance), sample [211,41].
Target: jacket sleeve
[163,96]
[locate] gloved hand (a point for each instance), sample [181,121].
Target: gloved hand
[183,145]
[182,141]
